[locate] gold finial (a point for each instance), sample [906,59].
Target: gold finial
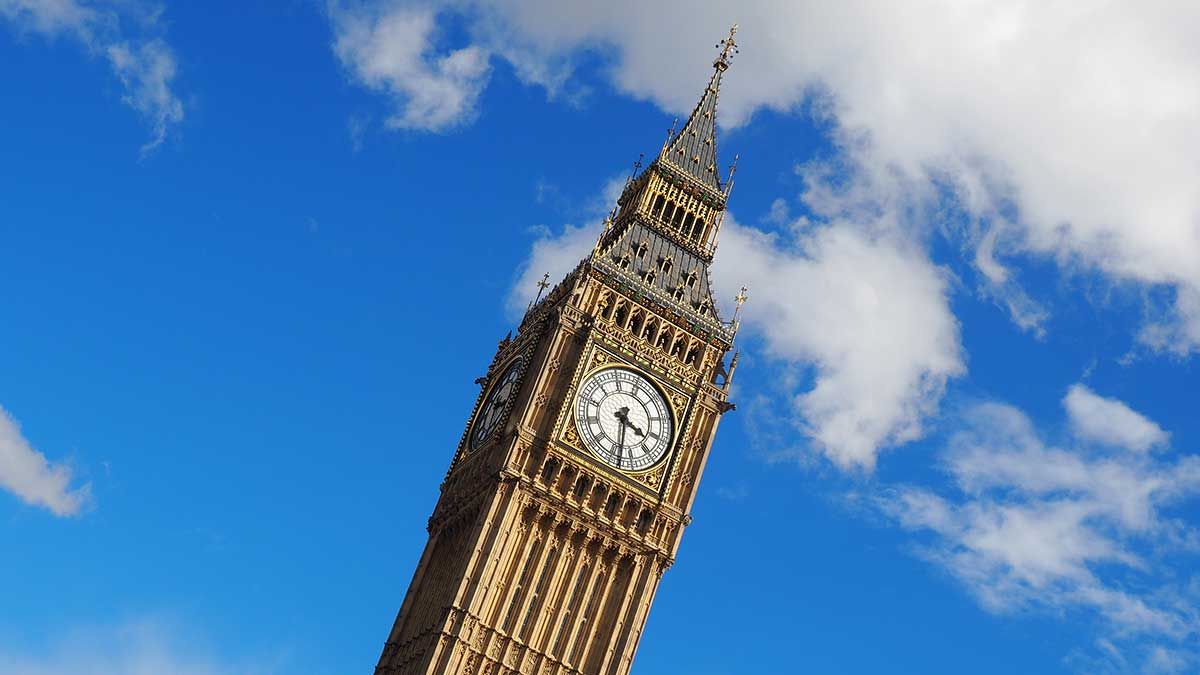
[728,48]
[740,300]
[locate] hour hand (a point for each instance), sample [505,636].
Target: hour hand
[622,416]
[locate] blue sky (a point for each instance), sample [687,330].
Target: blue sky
[253,258]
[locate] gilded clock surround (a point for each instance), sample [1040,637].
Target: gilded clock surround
[542,558]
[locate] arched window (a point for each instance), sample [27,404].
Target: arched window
[610,509]
[548,470]
[641,249]
[621,314]
[606,306]
[581,487]
[665,264]
[692,355]
[659,201]
[664,340]
[687,223]
[668,211]
[651,329]
[650,276]
[677,219]
[636,321]
[677,294]
[644,521]
[677,348]
[624,262]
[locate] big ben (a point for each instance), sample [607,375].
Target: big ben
[568,495]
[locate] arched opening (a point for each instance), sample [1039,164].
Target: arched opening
[650,329]
[606,306]
[659,202]
[692,355]
[636,321]
[621,314]
[668,211]
[677,219]
[687,223]
[664,340]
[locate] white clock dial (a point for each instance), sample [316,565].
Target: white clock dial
[496,404]
[623,419]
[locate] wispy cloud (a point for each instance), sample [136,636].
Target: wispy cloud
[129,36]
[1033,526]
[34,479]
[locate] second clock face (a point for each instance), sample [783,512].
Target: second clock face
[495,405]
[623,419]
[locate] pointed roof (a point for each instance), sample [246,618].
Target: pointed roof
[694,149]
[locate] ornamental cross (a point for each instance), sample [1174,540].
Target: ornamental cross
[728,48]
[740,300]
[542,286]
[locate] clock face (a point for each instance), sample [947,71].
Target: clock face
[495,404]
[623,419]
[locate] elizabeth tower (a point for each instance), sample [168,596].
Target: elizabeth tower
[572,484]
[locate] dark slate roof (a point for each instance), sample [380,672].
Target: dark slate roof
[664,282]
[694,148]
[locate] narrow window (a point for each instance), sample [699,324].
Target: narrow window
[538,592]
[522,583]
[687,223]
[670,209]
[572,606]
[659,201]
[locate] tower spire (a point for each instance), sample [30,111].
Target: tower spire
[694,149]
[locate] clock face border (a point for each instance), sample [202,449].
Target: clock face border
[603,360]
[515,368]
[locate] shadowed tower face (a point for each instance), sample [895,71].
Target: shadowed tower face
[570,490]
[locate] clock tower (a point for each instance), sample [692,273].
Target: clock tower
[569,492]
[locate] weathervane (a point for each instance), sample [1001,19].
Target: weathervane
[728,48]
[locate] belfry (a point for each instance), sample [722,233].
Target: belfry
[569,492]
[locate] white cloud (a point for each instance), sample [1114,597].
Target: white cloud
[145,65]
[31,477]
[869,313]
[1032,526]
[558,253]
[142,647]
[392,50]
[1109,421]
[1077,122]
[146,70]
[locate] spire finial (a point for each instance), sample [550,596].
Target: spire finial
[542,286]
[728,48]
[740,300]
[732,170]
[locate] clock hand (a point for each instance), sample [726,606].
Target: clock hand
[622,416]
